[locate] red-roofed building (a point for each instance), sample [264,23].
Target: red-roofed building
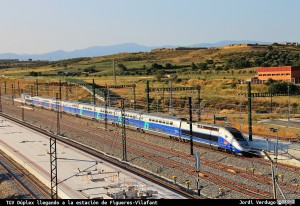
[284,73]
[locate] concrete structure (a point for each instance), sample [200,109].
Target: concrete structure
[80,175]
[284,73]
[288,152]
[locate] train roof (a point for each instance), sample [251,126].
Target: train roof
[138,112]
[207,124]
[159,115]
[53,99]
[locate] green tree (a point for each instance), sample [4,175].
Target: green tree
[282,87]
[169,66]
[270,81]
[202,66]
[122,67]
[159,75]
[193,66]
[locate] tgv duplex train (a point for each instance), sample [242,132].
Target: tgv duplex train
[215,136]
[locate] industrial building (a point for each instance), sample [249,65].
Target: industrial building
[283,73]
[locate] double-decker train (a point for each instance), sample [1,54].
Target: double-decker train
[211,135]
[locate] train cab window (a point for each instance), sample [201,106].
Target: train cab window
[236,134]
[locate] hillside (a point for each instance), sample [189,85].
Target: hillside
[219,71]
[216,58]
[177,60]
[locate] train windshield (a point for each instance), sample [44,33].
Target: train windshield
[236,133]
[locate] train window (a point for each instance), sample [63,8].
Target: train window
[237,134]
[159,121]
[167,122]
[201,135]
[171,123]
[215,129]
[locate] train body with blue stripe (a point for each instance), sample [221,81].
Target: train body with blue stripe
[211,135]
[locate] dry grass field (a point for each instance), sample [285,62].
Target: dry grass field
[219,90]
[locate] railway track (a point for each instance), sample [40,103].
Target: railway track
[116,162]
[252,159]
[172,164]
[28,185]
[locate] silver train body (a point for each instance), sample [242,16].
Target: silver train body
[211,135]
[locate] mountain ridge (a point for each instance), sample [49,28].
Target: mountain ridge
[112,49]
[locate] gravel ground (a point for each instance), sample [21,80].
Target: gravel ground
[210,189]
[9,189]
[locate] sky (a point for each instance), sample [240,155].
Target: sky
[40,26]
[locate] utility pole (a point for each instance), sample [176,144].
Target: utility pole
[12,94]
[22,108]
[289,104]
[53,168]
[197,165]
[276,149]
[57,117]
[134,97]
[36,88]
[191,125]
[123,131]
[108,95]
[273,175]
[115,78]
[199,101]
[105,115]
[170,104]
[271,105]
[60,107]
[249,112]
[148,96]
[94,98]
[67,88]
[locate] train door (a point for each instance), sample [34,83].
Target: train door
[117,117]
[180,125]
[222,139]
[141,122]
